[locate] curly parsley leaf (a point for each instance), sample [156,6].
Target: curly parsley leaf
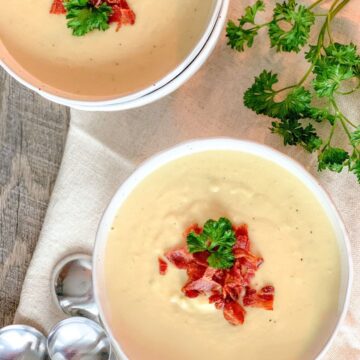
[84,17]
[329,77]
[312,54]
[218,238]
[338,63]
[334,66]
[356,170]
[355,137]
[222,259]
[294,133]
[196,242]
[333,159]
[250,13]
[299,18]
[342,54]
[321,114]
[238,36]
[260,97]
[220,233]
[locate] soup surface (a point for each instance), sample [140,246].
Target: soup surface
[153,320]
[102,64]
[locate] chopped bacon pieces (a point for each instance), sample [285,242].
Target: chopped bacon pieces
[179,257]
[217,300]
[234,313]
[121,14]
[247,259]
[242,238]
[57,7]
[162,266]
[203,285]
[122,17]
[260,299]
[228,289]
[195,271]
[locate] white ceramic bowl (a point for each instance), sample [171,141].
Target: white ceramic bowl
[262,151]
[175,82]
[163,87]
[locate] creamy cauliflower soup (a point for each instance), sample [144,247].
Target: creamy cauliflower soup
[148,313]
[100,64]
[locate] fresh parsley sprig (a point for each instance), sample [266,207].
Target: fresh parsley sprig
[84,17]
[331,65]
[218,238]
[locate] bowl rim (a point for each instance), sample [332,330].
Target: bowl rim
[218,144]
[218,6]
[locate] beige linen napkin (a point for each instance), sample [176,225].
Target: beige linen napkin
[103,149]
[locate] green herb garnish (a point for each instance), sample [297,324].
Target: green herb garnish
[218,238]
[335,71]
[84,17]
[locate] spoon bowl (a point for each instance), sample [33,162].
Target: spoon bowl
[21,342]
[72,284]
[78,338]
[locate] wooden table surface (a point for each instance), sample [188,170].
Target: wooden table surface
[32,138]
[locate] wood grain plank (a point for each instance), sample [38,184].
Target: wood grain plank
[32,138]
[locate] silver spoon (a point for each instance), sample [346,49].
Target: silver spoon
[78,338]
[21,342]
[73,287]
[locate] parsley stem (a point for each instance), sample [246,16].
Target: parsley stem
[342,118]
[286,88]
[333,5]
[308,72]
[328,29]
[345,128]
[350,91]
[332,131]
[341,115]
[315,4]
[347,120]
[337,9]
[319,45]
[259,26]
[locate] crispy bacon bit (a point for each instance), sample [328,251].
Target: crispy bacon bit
[57,7]
[191,293]
[195,271]
[203,285]
[233,284]
[262,299]
[217,300]
[228,289]
[121,14]
[242,238]
[162,266]
[234,313]
[247,259]
[201,258]
[179,257]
